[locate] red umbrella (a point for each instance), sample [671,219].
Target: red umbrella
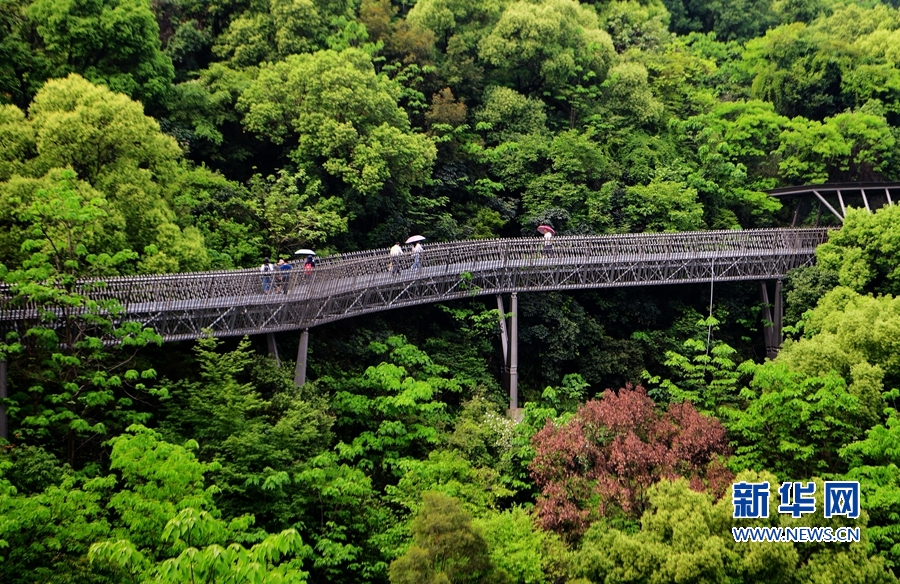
[546,229]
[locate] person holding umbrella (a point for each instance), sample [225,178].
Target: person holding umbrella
[417,251]
[548,235]
[310,260]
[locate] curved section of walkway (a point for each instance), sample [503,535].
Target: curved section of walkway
[835,198]
[229,303]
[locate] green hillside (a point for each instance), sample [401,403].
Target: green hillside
[181,135]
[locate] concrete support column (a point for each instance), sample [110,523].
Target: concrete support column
[4,422]
[514,354]
[300,369]
[273,347]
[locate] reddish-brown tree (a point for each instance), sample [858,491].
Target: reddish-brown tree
[601,462]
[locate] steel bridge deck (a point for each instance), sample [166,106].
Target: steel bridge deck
[229,303]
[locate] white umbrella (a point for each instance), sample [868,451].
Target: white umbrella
[304,252]
[416,238]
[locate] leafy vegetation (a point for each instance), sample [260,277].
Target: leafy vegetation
[145,137]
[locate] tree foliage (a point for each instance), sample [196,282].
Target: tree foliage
[148,137]
[602,461]
[686,535]
[447,547]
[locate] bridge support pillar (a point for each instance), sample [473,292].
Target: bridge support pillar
[300,369]
[514,356]
[773,314]
[504,339]
[273,347]
[504,345]
[4,422]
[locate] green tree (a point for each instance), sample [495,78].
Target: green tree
[68,387]
[525,552]
[446,546]
[113,43]
[117,151]
[740,20]
[854,146]
[393,412]
[798,70]
[205,109]
[792,424]
[507,114]
[294,211]
[151,519]
[745,134]
[46,536]
[171,528]
[853,336]
[345,520]
[708,378]
[21,66]
[338,116]
[874,462]
[260,430]
[468,22]
[638,25]
[626,99]
[686,536]
[863,253]
[544,45]
[278,30]
[205,557]
[662,205]
[447,472]
[803,288]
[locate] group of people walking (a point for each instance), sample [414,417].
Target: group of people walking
[276,277]
[397,251]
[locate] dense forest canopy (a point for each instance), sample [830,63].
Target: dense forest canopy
[145,137]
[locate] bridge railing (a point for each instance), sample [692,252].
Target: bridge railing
[525,251]
[358,269]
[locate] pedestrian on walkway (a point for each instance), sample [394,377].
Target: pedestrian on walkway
[267,268]
[417,256]
[396,252]
[283,276]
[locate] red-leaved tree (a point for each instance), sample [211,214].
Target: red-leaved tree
[601,462]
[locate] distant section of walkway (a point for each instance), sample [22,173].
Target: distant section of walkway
[229,303]
[814,203]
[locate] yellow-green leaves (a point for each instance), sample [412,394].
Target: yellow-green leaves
[548,43]
[118,155]
[864,252]
[336,114]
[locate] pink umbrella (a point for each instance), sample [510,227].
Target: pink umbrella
[546,229]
